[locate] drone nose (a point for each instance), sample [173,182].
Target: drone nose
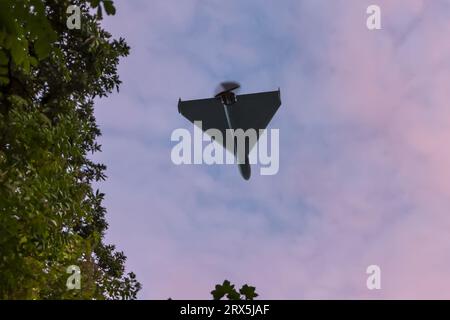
[245,170]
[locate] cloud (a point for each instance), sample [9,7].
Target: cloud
[364,125]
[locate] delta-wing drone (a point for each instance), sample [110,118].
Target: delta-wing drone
[228,110]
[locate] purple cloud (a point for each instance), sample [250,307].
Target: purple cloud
[364,129]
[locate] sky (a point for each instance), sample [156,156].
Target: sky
[364,130]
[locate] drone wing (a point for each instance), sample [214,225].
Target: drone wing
[209,111]
[251,111]
[255,110]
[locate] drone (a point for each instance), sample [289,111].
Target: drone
[228,110]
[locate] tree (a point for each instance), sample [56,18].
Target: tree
[227,290]
[50,215]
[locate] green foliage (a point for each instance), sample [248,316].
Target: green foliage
[24,24]
[50,215]
[226,289]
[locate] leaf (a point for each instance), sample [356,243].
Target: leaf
[45,119]
[225,289]
[248,292]
[95,3]
[26,66]
[42,49]
[109,7]
[23,240]
[33,61]
[18,52]
[234,295]
[99,13]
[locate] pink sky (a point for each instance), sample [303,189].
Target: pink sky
[365,153]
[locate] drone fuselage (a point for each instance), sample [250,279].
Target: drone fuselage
[228,99]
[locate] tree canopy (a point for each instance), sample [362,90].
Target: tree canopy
[51,217]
